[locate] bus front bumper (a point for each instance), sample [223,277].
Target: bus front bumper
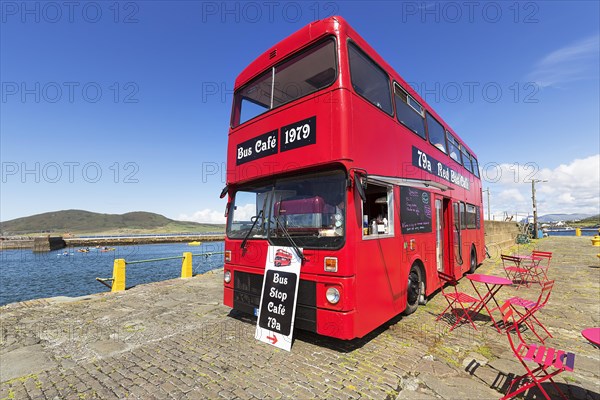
[244,296]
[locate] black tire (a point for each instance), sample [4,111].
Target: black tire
[413,290]
[473,261]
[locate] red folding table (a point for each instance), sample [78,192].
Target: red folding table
[493,285]
[593,335]
[531,264]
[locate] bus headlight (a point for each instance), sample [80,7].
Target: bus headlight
[227,276]
[333,295]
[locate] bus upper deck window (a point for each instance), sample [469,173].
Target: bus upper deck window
[409,111]
[437,133]
[299,75]
[453,147]
[369,80]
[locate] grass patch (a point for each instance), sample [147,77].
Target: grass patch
[485,351]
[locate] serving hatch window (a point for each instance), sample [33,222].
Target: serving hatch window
[298,76]
[378,211]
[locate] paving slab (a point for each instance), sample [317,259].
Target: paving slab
[175,340]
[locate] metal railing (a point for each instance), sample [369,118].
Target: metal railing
[119,268]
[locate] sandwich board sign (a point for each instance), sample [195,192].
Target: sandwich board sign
[275,323]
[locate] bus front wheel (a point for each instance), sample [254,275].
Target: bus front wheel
[413,290]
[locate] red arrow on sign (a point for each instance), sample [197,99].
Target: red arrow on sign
[273,339]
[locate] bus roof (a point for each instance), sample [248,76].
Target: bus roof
[335,25]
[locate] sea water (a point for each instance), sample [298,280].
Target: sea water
[25,275]
[584,232]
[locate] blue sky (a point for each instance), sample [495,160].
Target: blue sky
[117,107]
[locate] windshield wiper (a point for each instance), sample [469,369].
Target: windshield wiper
[254,221]
[288,237]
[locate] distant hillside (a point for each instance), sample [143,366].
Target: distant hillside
[587,222]
[79,221]
[562,217]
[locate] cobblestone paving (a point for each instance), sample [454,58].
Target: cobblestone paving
[174,340]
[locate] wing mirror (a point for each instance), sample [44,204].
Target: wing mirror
[360,183]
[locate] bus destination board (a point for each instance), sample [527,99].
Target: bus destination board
[289,137]
[424,161]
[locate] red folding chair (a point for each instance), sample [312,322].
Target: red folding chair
[550,361]
[526,309]
[514,271]
[540,263]
[457,301]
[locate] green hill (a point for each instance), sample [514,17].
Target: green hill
[589,222]
[79,221]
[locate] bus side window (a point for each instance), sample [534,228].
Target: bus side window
[471,216]
[463,221]
[453,147]
[378,211]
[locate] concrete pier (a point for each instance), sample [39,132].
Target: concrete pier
[48,243]
[175,340]
[29,243]
[125,240]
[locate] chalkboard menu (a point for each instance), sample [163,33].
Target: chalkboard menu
[415,210]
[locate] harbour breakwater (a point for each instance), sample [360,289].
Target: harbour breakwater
[499,235]
[33,243]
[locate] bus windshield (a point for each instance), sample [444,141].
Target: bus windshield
[308,208]
[302,74]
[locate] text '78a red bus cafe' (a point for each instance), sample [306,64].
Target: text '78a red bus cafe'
[331,153]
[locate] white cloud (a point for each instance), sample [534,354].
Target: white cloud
[566,198]
[569,188]
[574,62]
[511,195]
[207,216]
[245,212]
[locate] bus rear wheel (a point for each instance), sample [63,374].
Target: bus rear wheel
[413,290]
[473,262]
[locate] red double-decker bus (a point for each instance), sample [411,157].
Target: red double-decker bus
[333,154]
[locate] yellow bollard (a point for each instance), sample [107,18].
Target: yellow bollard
[118,284]
[596,240]
[186,265]
[577,231]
